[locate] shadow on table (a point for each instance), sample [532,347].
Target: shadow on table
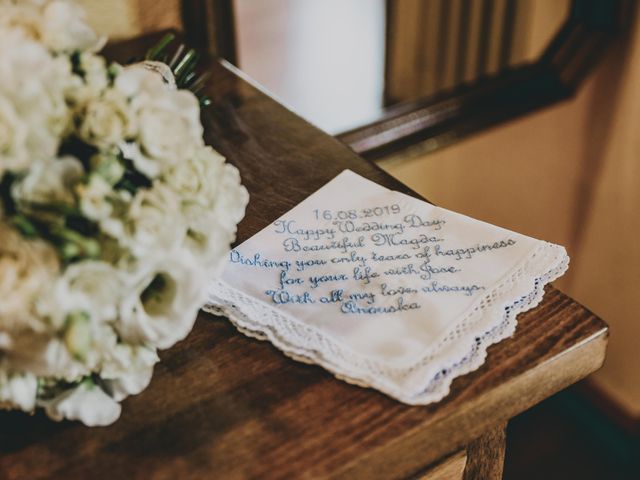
[563,438]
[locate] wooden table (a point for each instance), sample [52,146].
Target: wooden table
[224,406]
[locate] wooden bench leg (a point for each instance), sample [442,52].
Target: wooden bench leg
[485,456]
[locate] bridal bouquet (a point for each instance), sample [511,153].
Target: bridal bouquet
[114,216]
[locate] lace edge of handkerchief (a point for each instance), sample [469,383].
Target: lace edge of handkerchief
[492,319]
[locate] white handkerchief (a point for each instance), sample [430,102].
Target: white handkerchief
[382,289]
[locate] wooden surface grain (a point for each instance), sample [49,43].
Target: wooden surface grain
[451,468]
[224,406]
[486,455]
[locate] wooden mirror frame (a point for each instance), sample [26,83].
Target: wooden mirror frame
[209,26]
[437,121]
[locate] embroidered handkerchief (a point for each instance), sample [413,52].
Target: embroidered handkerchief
[382,289]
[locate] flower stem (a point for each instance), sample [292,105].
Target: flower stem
[157,49]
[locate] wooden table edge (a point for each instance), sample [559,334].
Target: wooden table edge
[572,365]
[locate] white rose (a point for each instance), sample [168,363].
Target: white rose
[139,84]
[28,268]
[106,120]
[196,179]
[169,121]
[86,402]
[232,198]
[163,301]
[79,307]
[48,181]
[212,230]
[18,390]
[153,224]
[63,28]
[208,238]
[23,16]
[13,139]
[59,24]
[36,84]
[212,202]
[91,286]
[170,128]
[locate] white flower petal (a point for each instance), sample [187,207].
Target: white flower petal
[48,181]
[164,300]
[28,268]
[18,390]
[128,369]
[87,403]
[64,29]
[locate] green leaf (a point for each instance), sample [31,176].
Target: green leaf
[25,226]
[74,246]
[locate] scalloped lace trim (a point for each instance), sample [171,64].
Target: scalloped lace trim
[460,350]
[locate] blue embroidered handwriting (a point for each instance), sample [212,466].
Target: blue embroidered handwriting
[407,269]
[281,297]
[257,261]
[318,279]
[344,245]
[461,253]
[389,258]
[380,211]
[335,296]
[352,258]
[365,274]
[330,215]
[387,291]
[347,226]
[435,287]
[425,253]
[391,239]
[284,280]
[288,227]
[352,307]
[368,296]
[415,221]
[429,270]
[301,265]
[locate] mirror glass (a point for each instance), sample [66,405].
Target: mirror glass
[342,63]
